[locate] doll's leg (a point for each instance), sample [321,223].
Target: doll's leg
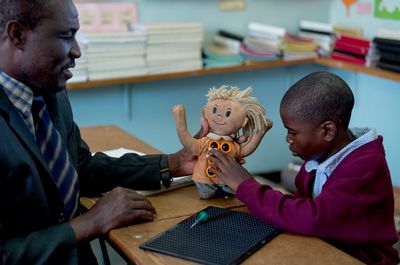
[206,191]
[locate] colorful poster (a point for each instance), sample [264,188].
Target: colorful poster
[364,9]
[388,9]
[347,4]
[107,16]
[231,5]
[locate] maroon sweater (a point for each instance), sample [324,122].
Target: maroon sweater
[354,212]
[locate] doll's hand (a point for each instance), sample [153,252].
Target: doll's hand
[230,171]
[179,112]
[268,125]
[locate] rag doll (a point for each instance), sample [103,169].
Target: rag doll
[228,111]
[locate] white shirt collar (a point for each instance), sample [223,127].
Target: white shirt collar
[216,137]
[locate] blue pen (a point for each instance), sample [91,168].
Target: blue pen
[201,217]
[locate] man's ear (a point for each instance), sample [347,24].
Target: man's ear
[16,33]
[329,130]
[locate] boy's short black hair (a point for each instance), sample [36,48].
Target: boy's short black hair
[318,97]
[27,12]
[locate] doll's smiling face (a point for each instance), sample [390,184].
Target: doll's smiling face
[225,116]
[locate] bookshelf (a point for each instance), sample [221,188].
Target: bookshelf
[253,66]
[359,68]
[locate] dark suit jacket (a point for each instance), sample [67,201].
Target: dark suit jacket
[32,228]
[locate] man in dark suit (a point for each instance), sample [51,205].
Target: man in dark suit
[37,49]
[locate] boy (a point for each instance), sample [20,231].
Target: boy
[344,191]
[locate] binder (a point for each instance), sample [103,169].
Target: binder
[393,58]
[362,42]
[389,66]
[348,47]
[348,58]
[315,26]
[230,35]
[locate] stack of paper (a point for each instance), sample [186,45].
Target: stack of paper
[387,47]
[346,30]
[113,54]
[178,182]
[217,56]
[224,50]
[296,47]
[228,44]
[263,42]
[320,33]
[351,49]
[172,47]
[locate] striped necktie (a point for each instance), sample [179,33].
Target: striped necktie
[55,154]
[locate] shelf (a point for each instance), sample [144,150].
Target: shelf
[359,68]
[253,66]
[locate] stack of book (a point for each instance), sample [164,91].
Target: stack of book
[110,55]
[349,31]
[320,33]
[216,56]
[172,47]
[387,45]
[228,40]
[262,43]
[296,47]
[224,51]
[351,49]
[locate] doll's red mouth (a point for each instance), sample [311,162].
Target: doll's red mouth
[219,123]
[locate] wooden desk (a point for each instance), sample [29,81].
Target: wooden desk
[284,249]
[174,206]
[102,138]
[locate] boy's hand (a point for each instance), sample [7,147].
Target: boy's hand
[230,171]
[182,162]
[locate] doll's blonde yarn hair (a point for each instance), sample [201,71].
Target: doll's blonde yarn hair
[253,109]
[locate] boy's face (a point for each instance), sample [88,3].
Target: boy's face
[306,140]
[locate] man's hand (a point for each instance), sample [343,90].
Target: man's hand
[182,162]
[114,209]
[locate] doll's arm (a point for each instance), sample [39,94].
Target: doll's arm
[249,147]
[184,135]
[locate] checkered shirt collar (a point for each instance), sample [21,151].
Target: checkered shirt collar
[19,94]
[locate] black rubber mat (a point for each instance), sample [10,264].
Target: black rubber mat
[227,237]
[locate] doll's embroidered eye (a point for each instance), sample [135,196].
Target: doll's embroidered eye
[228,113]
[214,109]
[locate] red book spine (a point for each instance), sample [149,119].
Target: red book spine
[348,47]
[354,40]
[347,58]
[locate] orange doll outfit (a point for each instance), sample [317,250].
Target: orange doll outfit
[201,147]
